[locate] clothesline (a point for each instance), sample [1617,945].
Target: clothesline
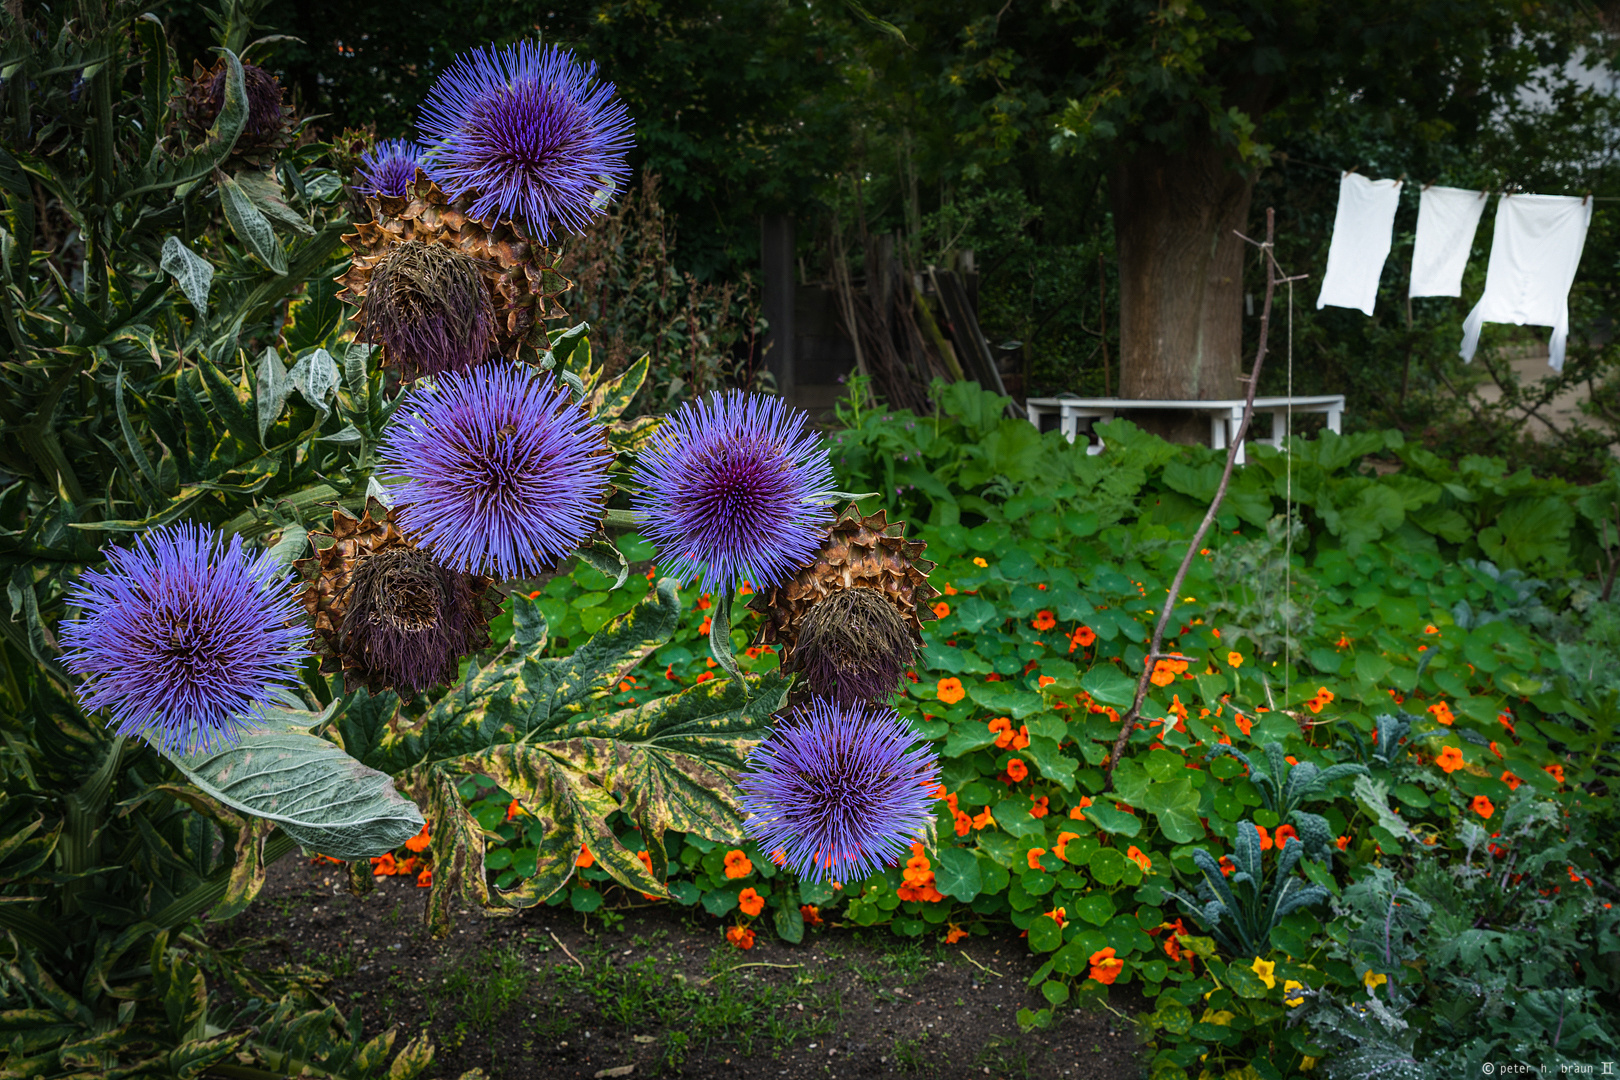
[1535,251]
[1290,160]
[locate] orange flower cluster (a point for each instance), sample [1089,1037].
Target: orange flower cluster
[1105,966]
[984,820]
[1063,842]
[1172,944]
[1034,858]
[737,864]
[1554,771]
[1450,759]
[1039,809]
[751,902]
[1165,672]
[950,691]
[1082,638]
[740,937]
[1044,620]
[964,823]
[418,843]
[954,933]
[1017,770]
[811,914]
[1511,781]
[1442,713]
[1006,736]
[919,878]
[1324,696]
[387,866]
[1137,856]
[1059,916]
[1078,813]
[1483,806]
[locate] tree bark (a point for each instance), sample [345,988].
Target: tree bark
[1180,279]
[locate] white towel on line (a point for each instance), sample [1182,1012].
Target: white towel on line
[1448,217]
[1362,229]
[1535,251]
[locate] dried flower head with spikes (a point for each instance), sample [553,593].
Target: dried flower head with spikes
[853,647]
[429,310]
[269,126]
[858,555]
[388,615]
[520,277]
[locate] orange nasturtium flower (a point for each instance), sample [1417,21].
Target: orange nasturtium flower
[1136,855]
[1002,726]
[1105,966]
[1017,769]
[420,841]
[1235,659]
[954,933]
[1078,813]
[741,937]
[584,858]
[1039,808]
[1062,842]
[424,880]
[1082,638]
[737,864]
[1059,916]
[978,561]
[983,820]
[1342,843]
[1554,771]
[1511,781]
[1035,857]
[383,865]
[1442,713]
[950,691]
[1265,838]
[811,914]
[1450,759]
[1044,620]
[941,609]
[1324,696]
[1482,806]
[751,902]
[1284,834]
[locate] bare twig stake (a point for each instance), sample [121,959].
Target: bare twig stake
[980,966]
[1273,279]
[566,953]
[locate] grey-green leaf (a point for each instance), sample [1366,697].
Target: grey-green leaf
[272,390]
[190,270]
[316,377]
[319,795]
[250,226]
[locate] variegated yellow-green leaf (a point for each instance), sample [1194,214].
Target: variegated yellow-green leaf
[539,727]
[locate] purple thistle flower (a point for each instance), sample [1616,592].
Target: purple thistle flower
[503,473]
[530,133]
[184,642]
[734,486]
[839,790]
[388,168]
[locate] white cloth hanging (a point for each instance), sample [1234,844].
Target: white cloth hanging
[1362,229]
[1535,251]
[1448,217]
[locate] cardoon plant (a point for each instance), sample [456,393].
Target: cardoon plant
[530,133]
[839,790]
[734,487]
[429,309]
[183,639]
[388,167]
[503,474]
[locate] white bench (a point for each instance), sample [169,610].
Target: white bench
[1224,416]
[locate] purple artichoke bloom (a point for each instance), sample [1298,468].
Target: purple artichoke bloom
[839,790]
[530,133]
[503,474]
[735,486]
[388,168]
[182,641]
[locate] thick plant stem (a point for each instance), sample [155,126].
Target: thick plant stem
[1128,721]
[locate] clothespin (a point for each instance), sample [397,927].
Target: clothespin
[1586,198]
[1353,168]
[1429,185]
[1401,179]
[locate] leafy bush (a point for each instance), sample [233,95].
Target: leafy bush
[1430,696]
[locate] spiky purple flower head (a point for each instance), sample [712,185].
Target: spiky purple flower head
[531,133]
[388,168]
[184,639]
[503,474]
[840,790]
[735,487]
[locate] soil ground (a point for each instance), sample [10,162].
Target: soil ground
[552,993]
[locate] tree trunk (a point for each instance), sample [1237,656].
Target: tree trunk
[1180,279]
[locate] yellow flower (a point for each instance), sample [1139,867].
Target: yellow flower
[1264,969]
[1372,980]
[1222,1017]
[977,561]
[1235,659]
[1291,999]
[1307,1064]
